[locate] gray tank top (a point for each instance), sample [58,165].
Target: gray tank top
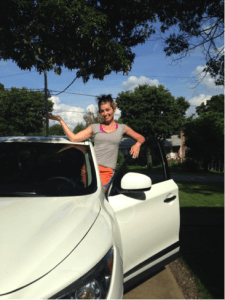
[106,145]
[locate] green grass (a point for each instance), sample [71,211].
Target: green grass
[202,235]
[201,194]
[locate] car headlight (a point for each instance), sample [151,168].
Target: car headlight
[92,285]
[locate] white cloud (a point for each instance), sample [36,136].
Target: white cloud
[197,100]
[207,81]
[134,82]
[70,114]
[92,108]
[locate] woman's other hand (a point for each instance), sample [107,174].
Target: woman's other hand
[135,150]
[53,117]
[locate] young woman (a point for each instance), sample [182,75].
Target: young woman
[107,137]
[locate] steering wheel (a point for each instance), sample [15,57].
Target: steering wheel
[63,178]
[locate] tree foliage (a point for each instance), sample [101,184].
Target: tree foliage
[152,111]
[22,111]
[79,127]
[91,118]
[93,37]
[205,138]
[56,130]
[215,104]
[200,23]
[96,37]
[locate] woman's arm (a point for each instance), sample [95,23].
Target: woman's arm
[134,135]
[79,137]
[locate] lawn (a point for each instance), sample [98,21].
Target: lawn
[201,194]
[202,235]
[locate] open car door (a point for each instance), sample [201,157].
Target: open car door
[148,218]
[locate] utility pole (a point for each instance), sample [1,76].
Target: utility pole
[46,103]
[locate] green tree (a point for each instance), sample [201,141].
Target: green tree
[152,111]
[93,37]
[56,130]
[119,121]
[97,37]
[79,127]
[199,24]
[22,111]
[215,104]
[205,138]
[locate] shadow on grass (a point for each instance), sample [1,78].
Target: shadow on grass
[202,246]
[203,188]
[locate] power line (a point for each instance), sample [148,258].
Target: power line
[16,74]
[66,87]
[152,75]
[12,95]
[75,94]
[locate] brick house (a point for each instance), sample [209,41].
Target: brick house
[175,147]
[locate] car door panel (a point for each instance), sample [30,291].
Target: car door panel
[147,226]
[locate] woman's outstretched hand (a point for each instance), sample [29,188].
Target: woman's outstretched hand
[53,117]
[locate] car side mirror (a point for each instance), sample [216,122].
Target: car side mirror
[135,181]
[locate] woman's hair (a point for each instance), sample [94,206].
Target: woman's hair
[105,98]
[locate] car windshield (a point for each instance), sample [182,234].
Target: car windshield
[46,169]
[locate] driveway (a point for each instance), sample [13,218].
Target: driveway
[163,285]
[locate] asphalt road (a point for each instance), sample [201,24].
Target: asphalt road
[197,178]
[190,178]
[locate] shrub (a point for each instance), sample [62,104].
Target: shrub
[120,158]
[190,165]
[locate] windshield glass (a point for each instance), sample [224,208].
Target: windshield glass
[46,169]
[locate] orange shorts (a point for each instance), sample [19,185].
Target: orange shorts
[106,175]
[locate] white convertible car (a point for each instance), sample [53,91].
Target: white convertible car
[62,237]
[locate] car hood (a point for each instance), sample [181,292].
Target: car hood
[37,234]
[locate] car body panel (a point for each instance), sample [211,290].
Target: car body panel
[41,232]
[96,243]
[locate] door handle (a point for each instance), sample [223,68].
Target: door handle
[170,199]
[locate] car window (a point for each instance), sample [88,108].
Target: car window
[149,162]
[46,169]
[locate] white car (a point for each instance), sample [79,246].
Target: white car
[62,237]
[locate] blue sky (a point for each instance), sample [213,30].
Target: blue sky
[150,66]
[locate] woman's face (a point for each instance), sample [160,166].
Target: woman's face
[107,112]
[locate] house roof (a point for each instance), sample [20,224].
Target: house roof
[127,143]
[174,140]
